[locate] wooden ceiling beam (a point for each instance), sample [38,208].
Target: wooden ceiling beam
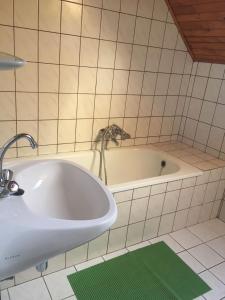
[201,24]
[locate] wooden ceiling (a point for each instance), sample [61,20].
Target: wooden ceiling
[202,26]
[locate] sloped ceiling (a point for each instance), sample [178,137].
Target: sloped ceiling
[202,25]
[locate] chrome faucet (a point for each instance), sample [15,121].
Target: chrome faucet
[7,185]
[110,133]
[105,135]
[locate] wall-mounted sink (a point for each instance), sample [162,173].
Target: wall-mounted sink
[63,207]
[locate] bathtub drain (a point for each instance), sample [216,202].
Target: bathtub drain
[163,165]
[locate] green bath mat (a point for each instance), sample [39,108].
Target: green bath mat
[154,272]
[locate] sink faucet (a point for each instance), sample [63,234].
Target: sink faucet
[7,185]
[104,136]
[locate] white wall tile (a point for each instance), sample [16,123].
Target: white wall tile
[129,6]
[212,90]
[135,82]
[87,57]
[120,82]
[98,247]
[145,8]
[153,59]
[203,69]
[185,198]
[91,22]
[155,205]
[142,30]
[199,87]
[76,255]
[138,58]
[162,84]
[117,239]
[166,224]
[109,25]
[49,19]
[180,219]
[160,10]
[135,233]
[71,18]
[151,228]
[216,138]
[171,200]
[138,210]
[107,51]
[126,28]
[123,214]
[170,38]
[156,34]
[149,83]
[166,61]
[104,81]
[22,18]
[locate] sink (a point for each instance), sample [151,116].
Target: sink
[63,206]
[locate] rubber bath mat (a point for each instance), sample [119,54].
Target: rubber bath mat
[153,272]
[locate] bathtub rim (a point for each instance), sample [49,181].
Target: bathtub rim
[186,170]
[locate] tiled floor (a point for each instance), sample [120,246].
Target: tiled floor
[202,247]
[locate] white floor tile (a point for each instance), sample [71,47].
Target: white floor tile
[219,272]
[191,262]
[185,238]
[218,245]
[206,249]
[89,263]
[35,290]
[115,254]
[4,295]
[205,255]
[218,289]
[209,230]
[169,241]
[138,246]
[58,284]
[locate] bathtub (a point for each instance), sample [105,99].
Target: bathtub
[132,167]
[135,167]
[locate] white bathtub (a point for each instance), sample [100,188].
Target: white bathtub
[135,167]
[132,167]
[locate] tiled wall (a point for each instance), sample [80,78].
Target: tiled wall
[203,123]
[90,65]
[102,62]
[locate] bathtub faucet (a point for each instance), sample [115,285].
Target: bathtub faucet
[105,135]
[110,133]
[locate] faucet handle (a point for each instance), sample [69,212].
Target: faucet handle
[13,187]
[6,175]
[115,141]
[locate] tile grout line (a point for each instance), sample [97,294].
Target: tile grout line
[14,73]
[114,66]
[144,70]
[97,72]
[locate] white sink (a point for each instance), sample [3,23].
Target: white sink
[63,207]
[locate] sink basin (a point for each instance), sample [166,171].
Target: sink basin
[63,207]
